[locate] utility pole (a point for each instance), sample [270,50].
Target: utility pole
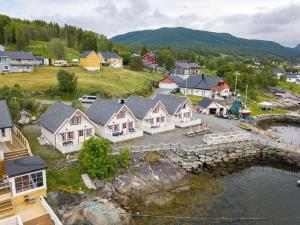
[188,66]
[236,74]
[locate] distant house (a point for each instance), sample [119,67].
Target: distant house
[111,59]
[115,121]
[2,48]
[170,82]
[180,108]
[90,60]
[184,68]
[151,114]
[210,107]
[66,128]
[12,62]
[38,60]
[26,117]
[293,78]
[6,123]
[150,58]
[278,72]
[60,63]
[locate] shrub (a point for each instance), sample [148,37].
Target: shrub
[67,81]
[124,157]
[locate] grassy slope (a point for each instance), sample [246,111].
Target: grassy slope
[294,88]
[41,48]
[116,82]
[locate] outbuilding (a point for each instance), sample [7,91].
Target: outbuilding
[210,107]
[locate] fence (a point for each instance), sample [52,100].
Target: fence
[21,138]
[222,138]
[51,213]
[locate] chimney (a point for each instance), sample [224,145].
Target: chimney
[122,101]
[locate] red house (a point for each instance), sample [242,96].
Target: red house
[150,58]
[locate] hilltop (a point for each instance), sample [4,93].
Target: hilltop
[197,39]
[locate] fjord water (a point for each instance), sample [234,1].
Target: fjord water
[288,133]
[262,195]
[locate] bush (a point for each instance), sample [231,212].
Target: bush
[124,157]
[95,158]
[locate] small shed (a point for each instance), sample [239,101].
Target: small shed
[210,107]
[26,117]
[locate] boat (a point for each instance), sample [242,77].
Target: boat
[244,126]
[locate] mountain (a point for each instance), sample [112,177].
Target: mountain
[200,40]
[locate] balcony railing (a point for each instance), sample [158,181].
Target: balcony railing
[21,63]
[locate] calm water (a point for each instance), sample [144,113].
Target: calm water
[262,192]
[288,133]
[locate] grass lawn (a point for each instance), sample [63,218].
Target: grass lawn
[292,87]
[67,179]
[194,99]
[254,107]
[113,82]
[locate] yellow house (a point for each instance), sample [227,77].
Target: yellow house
[111,59]
[90,60]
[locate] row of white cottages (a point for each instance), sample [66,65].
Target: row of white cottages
[66,128]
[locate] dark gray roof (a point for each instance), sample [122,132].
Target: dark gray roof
[177,79]
[107,55]
[5,116]
[85,54]
[171,102]
[21,166]
[101,111]
[205,102]
[53,118]
[200,82]
[17,55]
[140,106]
[38,57]
[293,75]
[185,64]
[278,70]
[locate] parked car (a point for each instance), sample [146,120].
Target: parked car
[87,99]
[175,91]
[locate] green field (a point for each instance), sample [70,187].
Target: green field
[112,82]
[292,87]
[41,48]
[255,110]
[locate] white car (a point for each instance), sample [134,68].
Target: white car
[87,99]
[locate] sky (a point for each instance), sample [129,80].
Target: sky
[275,20]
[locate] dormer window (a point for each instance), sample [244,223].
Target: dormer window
[76,120]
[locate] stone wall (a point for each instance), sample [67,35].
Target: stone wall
[277,117]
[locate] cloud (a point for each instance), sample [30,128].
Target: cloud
[275,20]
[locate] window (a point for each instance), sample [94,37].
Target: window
[152,121]
[157,119]
[121,114]
[130,124]
[124,125]
[6,67]
[116,127]
[3,132]
[80,133]
[29,181]
[70,135]
[76,120]
[187,115]
[89,132]
[156,109]
[63,136]
[162,119]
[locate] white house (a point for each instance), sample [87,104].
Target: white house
[115,121]
[210,107]
[293,78]
[6,123]
[181,109]
[152,114]
[278,72]
[25,117]
[66,128]
[170,82]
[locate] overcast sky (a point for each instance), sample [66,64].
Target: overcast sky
[276,20]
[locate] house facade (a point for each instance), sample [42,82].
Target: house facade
[151,114]
[90,61]
[278,72]
[111,59]
[14,62]
[115,121]
[66,128]
[170,82]
[6,123]
[184,68]
[38,60]
[181,109]
[150,58]
[2,48]
[293,78]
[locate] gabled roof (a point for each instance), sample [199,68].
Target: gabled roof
[185,64]
[293,76]
[108,55]
[38,57]
[86,53]
[17,55]
[101,111]
[205,102]
[171,102]
[140,106]
[54,117]
[5,116]
[278,70]
[26,165]
[200,82]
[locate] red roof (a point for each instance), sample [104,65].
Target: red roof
[167,80]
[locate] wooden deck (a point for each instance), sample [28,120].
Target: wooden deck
[42,220]
[14,146]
